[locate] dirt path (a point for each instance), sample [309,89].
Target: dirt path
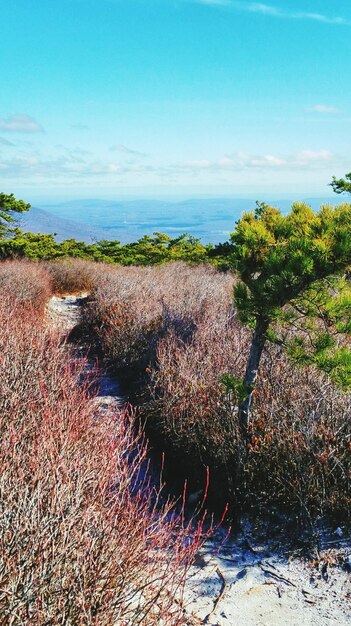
[63,313]
[248,583]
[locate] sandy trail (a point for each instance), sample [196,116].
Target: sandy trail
[248,583]
[259,587]
[63,313]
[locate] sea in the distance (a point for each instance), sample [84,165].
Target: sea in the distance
[211,220]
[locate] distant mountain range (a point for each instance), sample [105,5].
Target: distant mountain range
[211,220]
[40,221]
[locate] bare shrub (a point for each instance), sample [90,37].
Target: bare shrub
[196,413]
[25,282]
[84,536]
[300,442]
[74,275]
[131,307]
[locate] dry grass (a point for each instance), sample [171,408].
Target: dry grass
[84,538]
[26,283]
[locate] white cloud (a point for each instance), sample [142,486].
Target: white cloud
[69,167]
[73,154]
[243,161]
[309,157]
[20,123]
[65,167]
[323,108]
[258,7]
[277,11]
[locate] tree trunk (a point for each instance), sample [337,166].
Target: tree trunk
[257,344]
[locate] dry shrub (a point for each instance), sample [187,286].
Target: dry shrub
[191,407]
[84,537]
[299,457]
[189,402]
[131,307]
[26,283]
[74,275]
[178,321]
[300,442]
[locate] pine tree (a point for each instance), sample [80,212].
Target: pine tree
[279,259]
[9,205]
[342,185]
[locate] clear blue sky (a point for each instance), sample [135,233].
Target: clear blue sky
[108,98]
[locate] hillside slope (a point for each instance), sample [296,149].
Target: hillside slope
[40,221]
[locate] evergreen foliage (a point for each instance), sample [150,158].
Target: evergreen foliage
[146,251]
[342,185]
[294,260]
[8,206]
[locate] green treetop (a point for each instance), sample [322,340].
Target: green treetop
[9,205]
[278,259]
[342,185]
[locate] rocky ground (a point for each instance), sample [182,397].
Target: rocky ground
[247,580]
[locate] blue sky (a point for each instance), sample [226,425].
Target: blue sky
[116,98]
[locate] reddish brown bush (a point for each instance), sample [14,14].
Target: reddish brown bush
[25,282]
[74,275]
[197,415]
[83,539]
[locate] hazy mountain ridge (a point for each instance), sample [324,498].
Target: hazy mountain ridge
[40,221]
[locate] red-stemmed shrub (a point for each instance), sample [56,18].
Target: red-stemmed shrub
[299,446]
[85,537]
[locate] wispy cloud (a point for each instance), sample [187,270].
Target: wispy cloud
[79,127]
[76,154]
[20,123]
[6,142]
[68,167]
[125,150]
[243,161]
[267,9]
[323,108]
[277,11]
[214,2]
